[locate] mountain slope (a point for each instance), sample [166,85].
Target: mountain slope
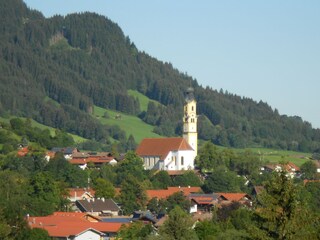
[83,60]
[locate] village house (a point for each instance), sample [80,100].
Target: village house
[202,202]
[228,198]
[165,193]
[75,226]
[98,207]
[83,159]
[23,151]
[75,194]
[67,152]
[291,169]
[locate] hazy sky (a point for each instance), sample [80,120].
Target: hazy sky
[265,50]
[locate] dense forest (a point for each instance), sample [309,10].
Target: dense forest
[55,70]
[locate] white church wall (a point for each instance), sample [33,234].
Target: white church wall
[174,160]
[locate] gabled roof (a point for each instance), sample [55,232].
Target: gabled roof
[204,199]
[236,197]
[59,217]
[289,167]
[258,189]
[79,192]
[165,193]
[82,161]
[65,224]
[66,232]
[97,205]
[143,216]
[161,146]
[67,229]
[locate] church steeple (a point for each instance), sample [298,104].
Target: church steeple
[190,133]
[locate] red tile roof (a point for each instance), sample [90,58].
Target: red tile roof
[64,224]
[203,200]
[165,193]
[236,197]
[289,167]
[22,152]
[50,154]
[176,172]
[161,146]
[81,161]
[66,232]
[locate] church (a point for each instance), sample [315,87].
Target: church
[176,153]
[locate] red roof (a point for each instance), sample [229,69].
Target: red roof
[161,146]
[289,167]
[66,232]
[50,154]
[22,152]
[165,193]
[175,172]
[64,224]
[203,200]
[236,197]
[81,161]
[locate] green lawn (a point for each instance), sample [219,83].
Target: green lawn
[276,156]
[130,124]
[144,100]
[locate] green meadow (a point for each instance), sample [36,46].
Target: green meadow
[144,100]
[130,124]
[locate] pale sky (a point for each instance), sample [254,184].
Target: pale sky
[264,50]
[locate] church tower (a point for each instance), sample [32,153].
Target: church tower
[190,133]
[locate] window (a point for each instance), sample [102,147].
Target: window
[182,160]
[175,161]
[192,108]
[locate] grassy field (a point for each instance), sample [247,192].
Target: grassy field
[144,100]
[130,124]
[276,156]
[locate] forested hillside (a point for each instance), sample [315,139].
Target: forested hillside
[82,60]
